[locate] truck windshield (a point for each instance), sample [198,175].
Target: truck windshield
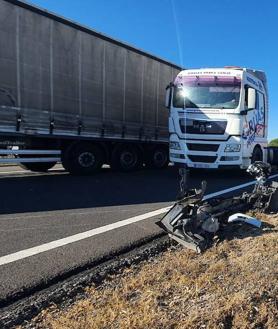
[207,92]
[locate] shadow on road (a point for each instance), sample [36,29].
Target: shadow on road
[60,191]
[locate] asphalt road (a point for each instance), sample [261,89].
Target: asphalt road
[39,208]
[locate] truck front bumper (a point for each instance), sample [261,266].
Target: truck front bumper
[206,154]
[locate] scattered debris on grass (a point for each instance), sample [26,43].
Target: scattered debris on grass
[232,285]
[195,220]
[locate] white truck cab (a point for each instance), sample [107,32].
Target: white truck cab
[218,117]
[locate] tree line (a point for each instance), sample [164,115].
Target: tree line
[274,142]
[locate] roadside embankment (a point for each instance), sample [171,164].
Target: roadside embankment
[232,285]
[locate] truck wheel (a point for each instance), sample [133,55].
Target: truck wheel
[82,158]
[257,154]
[37,166]
[126,158]
[157,158]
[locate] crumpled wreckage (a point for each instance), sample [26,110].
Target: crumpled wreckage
[194,219]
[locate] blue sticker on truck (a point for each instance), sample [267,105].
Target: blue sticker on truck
[255,83]
[254,127]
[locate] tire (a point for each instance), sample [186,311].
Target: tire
[257,154]
[82,158]
[126,158]
[37,166]
[157,158]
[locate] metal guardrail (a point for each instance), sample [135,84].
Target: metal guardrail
[51,158]
[27,160]
[29,152]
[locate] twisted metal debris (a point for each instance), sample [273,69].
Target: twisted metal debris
[194,221]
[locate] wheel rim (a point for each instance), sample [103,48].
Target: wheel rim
[128,159]
[86,159]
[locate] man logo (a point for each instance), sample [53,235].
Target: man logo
[202,128]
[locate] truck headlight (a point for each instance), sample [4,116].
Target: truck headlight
[174,145]
[232,148]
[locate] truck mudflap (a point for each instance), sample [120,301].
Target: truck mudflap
[195,221]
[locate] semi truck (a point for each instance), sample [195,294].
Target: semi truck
[71,94]
[218,118]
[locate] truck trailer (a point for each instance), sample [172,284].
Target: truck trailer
[71,94]
[218,118]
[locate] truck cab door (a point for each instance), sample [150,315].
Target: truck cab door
[254,122]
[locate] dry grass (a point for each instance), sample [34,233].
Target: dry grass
[232,285]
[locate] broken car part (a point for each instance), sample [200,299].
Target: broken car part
[193,222]
[244,218]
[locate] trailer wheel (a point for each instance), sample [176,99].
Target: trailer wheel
[37,166]
[126,158]
[157,158]
[82,158]
[257,154]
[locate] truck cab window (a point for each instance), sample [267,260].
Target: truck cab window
[207,92]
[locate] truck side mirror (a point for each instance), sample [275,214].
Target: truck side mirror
[168,96]
[251,99]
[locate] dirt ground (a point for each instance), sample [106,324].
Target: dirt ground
[232,285]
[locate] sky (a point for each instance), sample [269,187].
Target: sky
[190,33]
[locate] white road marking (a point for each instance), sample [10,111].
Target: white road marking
[10,258]
[77,237]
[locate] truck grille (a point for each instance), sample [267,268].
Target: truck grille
[203,147]
[202,158]
[203,127]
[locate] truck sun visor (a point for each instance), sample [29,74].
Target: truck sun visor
[208,80]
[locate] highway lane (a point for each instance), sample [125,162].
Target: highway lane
[40,208]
